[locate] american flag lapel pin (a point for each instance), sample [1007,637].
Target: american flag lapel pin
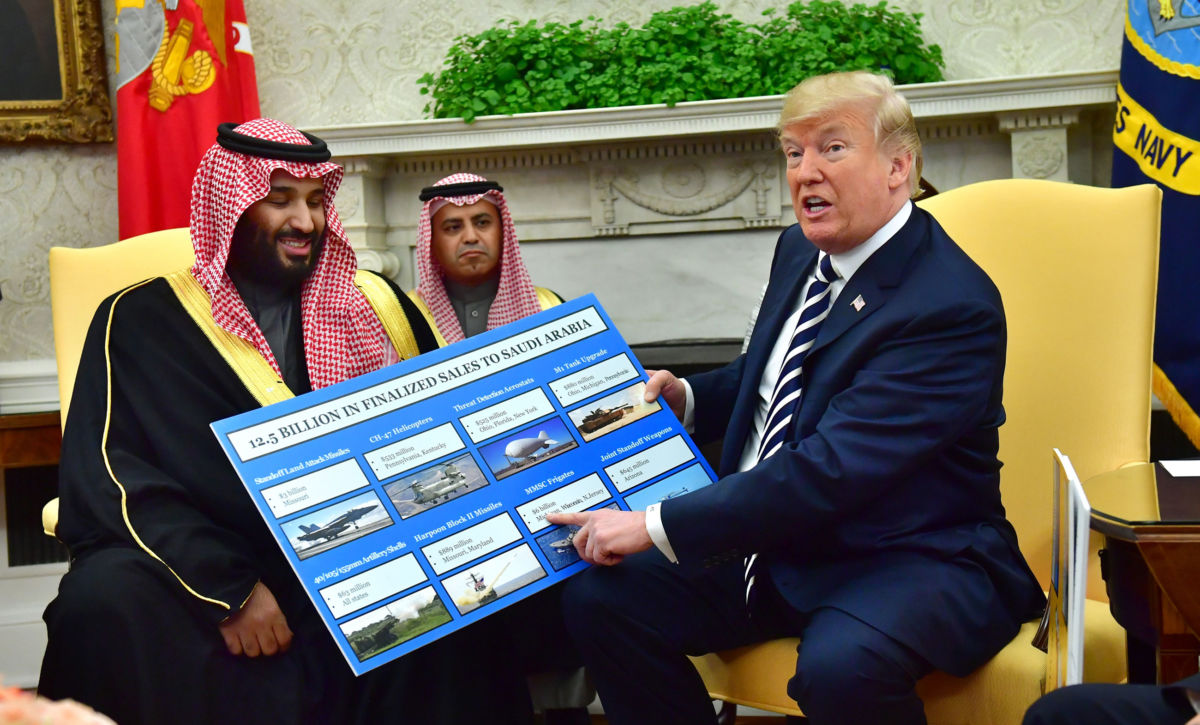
[859,303]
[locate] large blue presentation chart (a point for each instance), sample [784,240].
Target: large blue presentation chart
[412,501]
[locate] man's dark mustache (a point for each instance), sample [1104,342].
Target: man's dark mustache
[287,233]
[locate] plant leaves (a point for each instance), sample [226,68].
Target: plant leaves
[688,52]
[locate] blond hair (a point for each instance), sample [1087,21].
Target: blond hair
[895,129]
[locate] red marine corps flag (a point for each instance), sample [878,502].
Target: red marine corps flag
[183,67]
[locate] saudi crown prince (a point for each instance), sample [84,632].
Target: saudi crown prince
[179,606]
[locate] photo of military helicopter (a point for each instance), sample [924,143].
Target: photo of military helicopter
[451,480]
[433,486]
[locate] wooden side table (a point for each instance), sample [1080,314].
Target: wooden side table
[29,439]
[1151,524]
[29,452]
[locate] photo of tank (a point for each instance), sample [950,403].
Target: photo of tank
[612,411]
[601,417]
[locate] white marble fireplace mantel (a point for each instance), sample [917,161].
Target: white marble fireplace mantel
[1033,96]
[669,214]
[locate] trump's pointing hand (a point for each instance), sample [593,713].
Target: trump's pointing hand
[606,536]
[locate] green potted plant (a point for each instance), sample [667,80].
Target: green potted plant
[686,53]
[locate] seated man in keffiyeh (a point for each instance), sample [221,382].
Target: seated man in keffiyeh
[472,277]
[179,606]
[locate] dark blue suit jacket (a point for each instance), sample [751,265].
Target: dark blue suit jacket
[885,500]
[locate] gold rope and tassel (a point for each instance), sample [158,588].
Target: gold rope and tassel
[176,74]
[1180,411]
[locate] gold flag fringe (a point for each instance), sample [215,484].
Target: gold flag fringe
[1180,411]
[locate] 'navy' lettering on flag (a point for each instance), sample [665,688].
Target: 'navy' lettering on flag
[1162,154]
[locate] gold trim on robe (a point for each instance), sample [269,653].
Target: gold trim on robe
[243,358]
[104,448]
[383,301]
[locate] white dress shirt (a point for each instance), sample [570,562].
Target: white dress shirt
[845,264]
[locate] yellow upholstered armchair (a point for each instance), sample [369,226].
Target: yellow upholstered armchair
[1077,268]
[80,279]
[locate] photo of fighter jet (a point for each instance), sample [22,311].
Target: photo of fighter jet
[335,528]
[331,526]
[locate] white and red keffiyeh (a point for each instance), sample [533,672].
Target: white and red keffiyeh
[515,297]
[342,336]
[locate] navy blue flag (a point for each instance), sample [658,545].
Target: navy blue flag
[1157,139]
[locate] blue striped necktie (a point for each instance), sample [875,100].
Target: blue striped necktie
[786,395]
